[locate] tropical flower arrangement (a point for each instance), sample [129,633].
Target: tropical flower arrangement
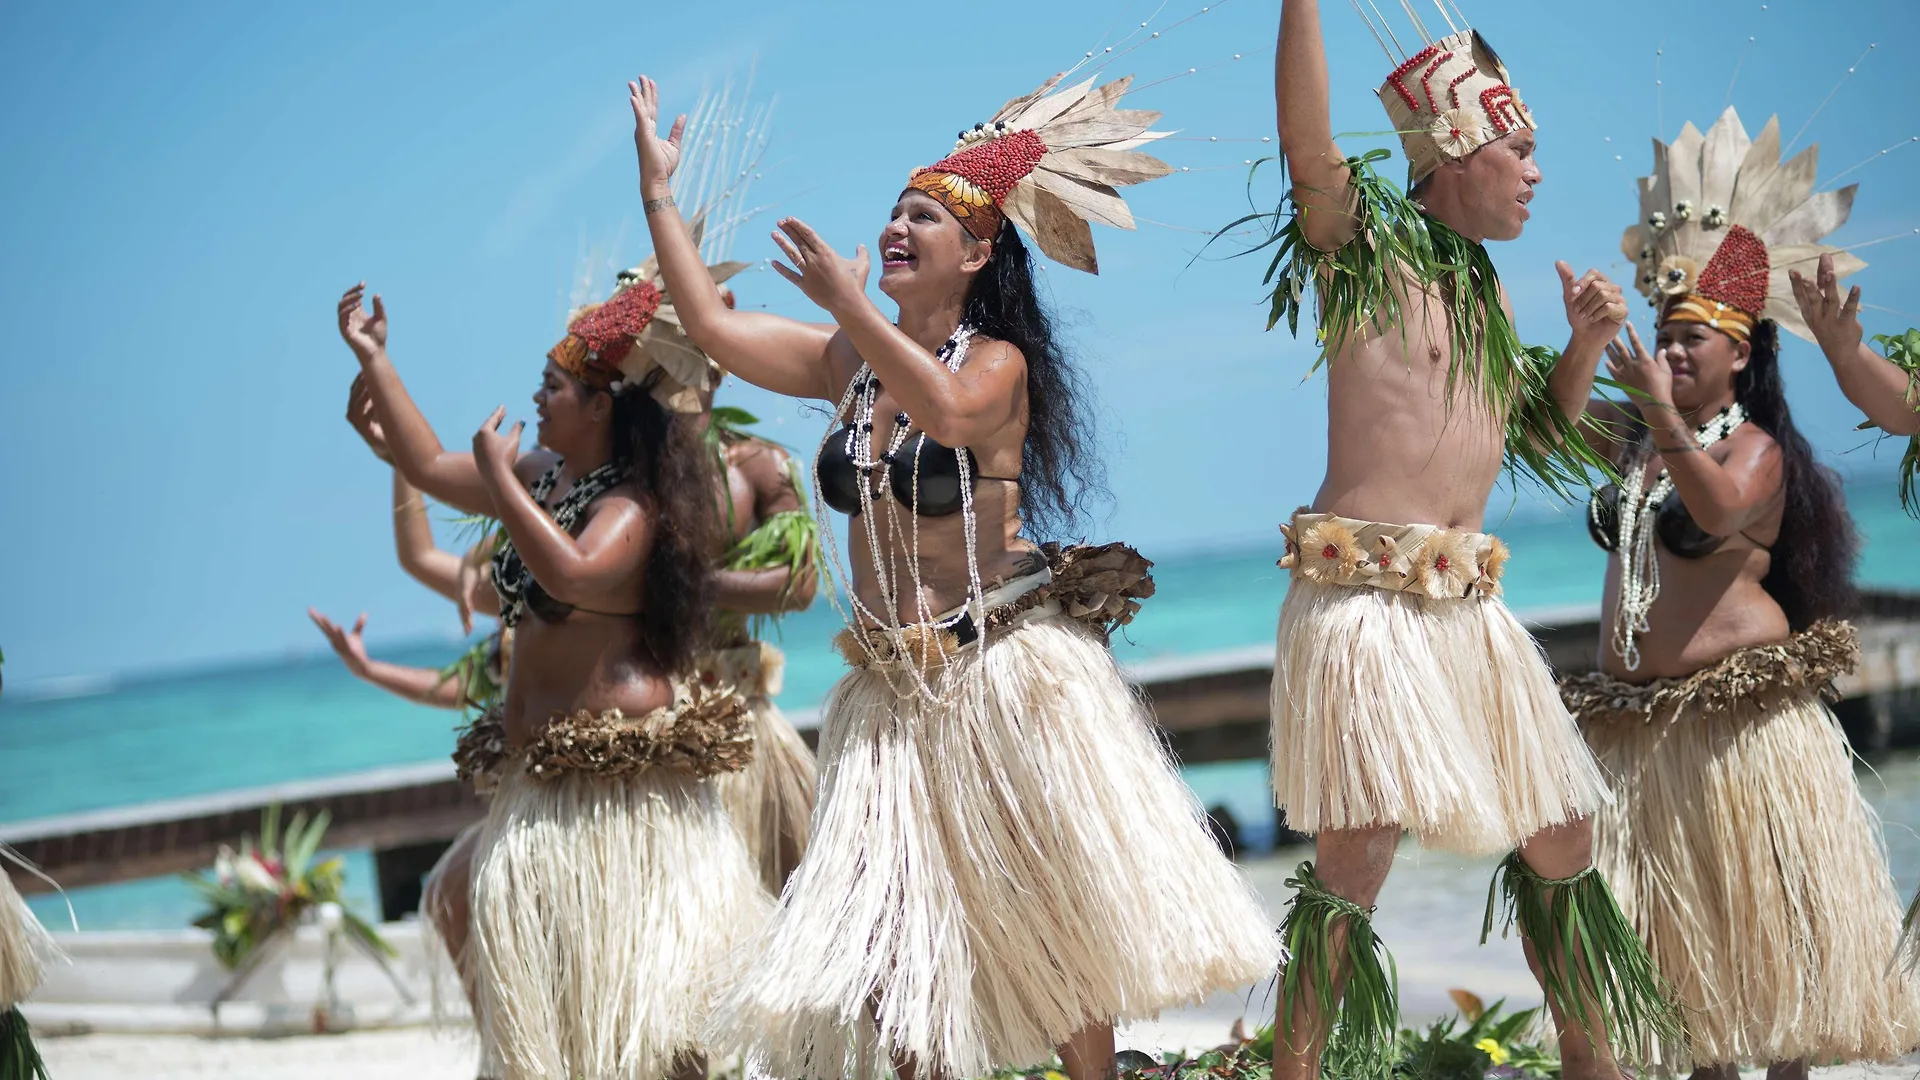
[264,889]
[1483,1042]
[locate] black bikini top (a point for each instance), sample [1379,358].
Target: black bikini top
[936,467]
[1673,524]
[519,592]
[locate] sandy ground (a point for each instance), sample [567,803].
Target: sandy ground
[1429,915]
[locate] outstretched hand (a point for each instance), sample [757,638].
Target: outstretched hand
[361,415]
[1595,307]
[658,156]
[347,644]
[493,448]
[365,334]
[1641,370]
[833,282]
[1835,323]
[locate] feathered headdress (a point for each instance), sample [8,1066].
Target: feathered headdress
[1450,99]
[1049,162]
[1722,221]
[635,339]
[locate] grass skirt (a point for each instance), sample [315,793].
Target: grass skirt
[606,911]
[771,800]
[26,949]
[991,873]
[1743,852]
[1437,715]
[450,882]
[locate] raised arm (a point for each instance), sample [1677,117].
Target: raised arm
[783,355]
[451,478]
[957,408]
[1322,183]
[423,686]
[1878,386]
[413,543]
[580,570]
[1726,493]
[1595,311]
[790,584]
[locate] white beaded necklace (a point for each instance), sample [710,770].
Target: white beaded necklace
[885,532]
[1639,565]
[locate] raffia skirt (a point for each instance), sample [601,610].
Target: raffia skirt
[26,949]
[611,894]
[771,800]
[1743,852]
[991,870]
[451,876]
[1405,693]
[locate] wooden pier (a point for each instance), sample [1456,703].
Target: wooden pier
[1212,707]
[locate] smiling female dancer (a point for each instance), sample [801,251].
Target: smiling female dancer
[1738,841]
[990,788]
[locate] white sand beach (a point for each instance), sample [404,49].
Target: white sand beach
[1429,914]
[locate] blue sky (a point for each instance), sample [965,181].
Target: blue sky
[190,186]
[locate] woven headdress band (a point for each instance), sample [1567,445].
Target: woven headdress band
[1050,163]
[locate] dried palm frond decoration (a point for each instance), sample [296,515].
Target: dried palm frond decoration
[1051,162]
[1722,223]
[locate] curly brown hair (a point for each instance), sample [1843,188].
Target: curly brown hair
[675,476]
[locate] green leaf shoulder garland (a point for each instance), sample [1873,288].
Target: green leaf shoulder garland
[1398,248]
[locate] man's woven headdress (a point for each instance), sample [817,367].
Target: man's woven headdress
[1723,220]
[1049,162]
[1450,99]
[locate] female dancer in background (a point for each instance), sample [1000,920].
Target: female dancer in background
[610,888]
[1739,842]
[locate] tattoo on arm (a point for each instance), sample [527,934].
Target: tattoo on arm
[660,203]
[1690,448]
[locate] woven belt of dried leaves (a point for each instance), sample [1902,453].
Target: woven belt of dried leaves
[1101,586]
[1757,676]
[928,646]
[705,733]
[481,747]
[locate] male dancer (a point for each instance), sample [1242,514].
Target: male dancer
[1405,695]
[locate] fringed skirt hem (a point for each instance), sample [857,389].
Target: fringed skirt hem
[990,872]
[1436,715]
[1748,861]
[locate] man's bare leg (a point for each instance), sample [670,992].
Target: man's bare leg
[1088,1054]
[1352,864]
[1562,851]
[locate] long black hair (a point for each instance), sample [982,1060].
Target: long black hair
[1059,469]
[1812,572]
[675,474]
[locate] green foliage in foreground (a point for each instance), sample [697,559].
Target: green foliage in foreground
[1481,1043]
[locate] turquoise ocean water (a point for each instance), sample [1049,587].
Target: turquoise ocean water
[116,743]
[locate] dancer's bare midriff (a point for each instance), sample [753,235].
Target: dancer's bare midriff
[1401,448]
[1709,607]
[586,662]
